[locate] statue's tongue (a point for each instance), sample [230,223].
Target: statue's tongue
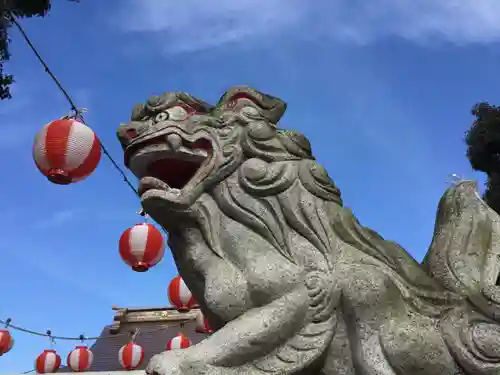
[174,172]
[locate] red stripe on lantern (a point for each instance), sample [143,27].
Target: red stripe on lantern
[173,292]
[128,353]
[124,245]
[56,143]
[153,243]
[91,161]
[6,341]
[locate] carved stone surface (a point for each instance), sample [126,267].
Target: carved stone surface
[285,274]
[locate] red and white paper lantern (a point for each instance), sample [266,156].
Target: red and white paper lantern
[131,356]
[6,341]
[179,295]
[202,324]
[66,151]
[80,359]
[47,362]
[142,246]
[178,342]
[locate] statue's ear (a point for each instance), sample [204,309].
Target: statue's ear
[295,143]
[272,108]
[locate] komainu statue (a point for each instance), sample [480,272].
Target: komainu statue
[285,274]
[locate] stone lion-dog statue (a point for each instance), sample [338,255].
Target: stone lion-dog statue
[286,276]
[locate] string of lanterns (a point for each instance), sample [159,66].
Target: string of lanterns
[130,356]
[7,340]
[80,359]
[67,151]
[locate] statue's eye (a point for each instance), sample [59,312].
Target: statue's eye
[177,113]
[162,116]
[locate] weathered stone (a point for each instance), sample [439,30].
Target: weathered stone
[286,275]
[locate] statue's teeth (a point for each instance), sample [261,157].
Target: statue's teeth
[174,141]
[200,152]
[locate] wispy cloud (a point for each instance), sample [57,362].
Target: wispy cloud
[195,24]
[79,276]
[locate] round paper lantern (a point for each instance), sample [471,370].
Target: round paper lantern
[131,356]
[6,341]
[47,362]
[66,151]
[179,295]
[202,324]
[142,246]
[80,359]
[178,342]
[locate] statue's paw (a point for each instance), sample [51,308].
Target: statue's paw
[168,363]
[181,362]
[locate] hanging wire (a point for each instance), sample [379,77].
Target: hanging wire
[52,338]
[134,334]
[77,112]
[143,213]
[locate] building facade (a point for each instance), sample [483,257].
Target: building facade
[154,327]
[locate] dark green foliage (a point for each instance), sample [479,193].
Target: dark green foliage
[483,141]
[20,9]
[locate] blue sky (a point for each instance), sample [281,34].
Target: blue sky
[383,91]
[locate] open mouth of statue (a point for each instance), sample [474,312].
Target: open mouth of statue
[176,173]
[170,163]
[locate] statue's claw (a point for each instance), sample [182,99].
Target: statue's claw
[166,363]
[182,362]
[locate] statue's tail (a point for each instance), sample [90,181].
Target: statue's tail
[465,251]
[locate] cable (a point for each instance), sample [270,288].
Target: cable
[66,95]
[79,338]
